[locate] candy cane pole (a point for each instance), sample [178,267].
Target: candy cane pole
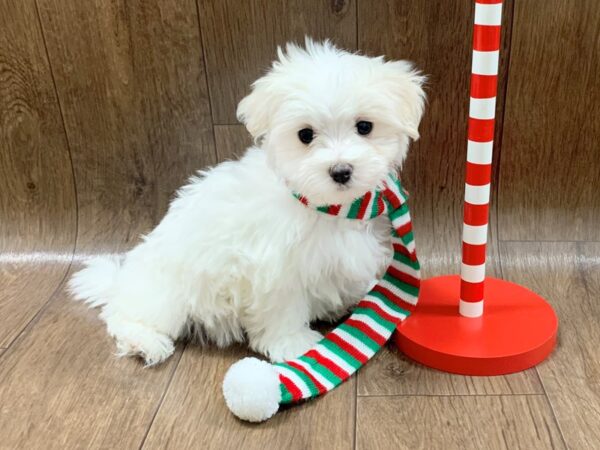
[482,110]
[518,328]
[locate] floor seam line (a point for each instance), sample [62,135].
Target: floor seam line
[162,398]
[43,308]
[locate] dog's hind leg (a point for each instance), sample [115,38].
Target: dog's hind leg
[147,312]
[127,320]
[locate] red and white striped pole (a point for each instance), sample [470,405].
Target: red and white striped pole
[482,109]
[520,327]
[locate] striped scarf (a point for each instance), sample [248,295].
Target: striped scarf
[351,344]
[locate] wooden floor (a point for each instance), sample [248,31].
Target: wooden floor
[62,387]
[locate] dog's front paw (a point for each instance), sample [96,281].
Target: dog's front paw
[135,339]
[151,351]
[293,345]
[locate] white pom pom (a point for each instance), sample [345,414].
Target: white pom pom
[251,389]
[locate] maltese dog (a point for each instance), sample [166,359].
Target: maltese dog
[238,257]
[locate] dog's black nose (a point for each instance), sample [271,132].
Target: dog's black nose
[341,173]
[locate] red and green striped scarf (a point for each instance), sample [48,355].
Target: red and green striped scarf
[351,344]
[348,347]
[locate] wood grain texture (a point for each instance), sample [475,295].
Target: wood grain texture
[568,276]
[550,169]
[62,387]
[26,287]
[440,45]
[231,141]
[429,423]
[391,373]
[194,414]
[37,199]
[465,422]
[240,40]
[133,91]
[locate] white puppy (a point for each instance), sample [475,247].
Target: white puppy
[238,256]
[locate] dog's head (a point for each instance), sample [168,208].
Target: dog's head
[334,123]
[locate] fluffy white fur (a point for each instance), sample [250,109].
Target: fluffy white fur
[237,256]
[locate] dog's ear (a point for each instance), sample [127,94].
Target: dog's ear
[253,111]
[405,86]
[256,108]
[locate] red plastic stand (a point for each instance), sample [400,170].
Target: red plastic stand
[516,331]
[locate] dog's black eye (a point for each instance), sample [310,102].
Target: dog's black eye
[363,127]
[306,135]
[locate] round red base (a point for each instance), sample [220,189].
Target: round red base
[517,330]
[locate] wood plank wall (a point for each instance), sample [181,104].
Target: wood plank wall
[119,101]
[550,170]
